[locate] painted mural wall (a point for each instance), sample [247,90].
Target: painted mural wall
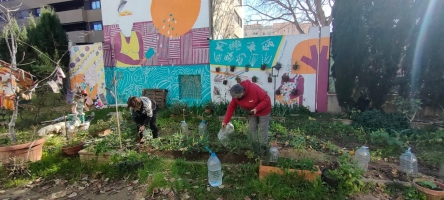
[150,43]
[306,85]
[86,71]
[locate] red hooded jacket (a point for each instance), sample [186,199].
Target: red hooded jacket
[254,97]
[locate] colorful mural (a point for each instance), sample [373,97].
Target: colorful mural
[168,35]
[131,82]
[86,71]
[305,84]
[150,44]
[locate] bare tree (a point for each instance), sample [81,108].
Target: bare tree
[296,12]
[223,18]
[12,41]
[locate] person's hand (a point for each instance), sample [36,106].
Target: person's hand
[142,128]
[223,125]
[254,111]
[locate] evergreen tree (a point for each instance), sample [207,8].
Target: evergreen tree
[423,68]
[21,34]
[48,36]
[349,48]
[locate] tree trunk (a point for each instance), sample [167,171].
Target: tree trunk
[13,119]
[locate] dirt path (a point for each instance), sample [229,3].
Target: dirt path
[84,189]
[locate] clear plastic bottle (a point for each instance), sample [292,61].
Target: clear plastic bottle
[274,153]
[409,163]
[202,127]
[184,127]
[224,133]
[214,171]
[362,156]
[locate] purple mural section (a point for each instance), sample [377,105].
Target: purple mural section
[145,46]
[322,74]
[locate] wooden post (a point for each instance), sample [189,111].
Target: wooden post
[117,109]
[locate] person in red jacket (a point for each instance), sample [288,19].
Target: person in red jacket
[251,97]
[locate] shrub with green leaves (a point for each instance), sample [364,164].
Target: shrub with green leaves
[373,120]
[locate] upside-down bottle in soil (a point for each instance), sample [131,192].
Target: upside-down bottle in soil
[202,127]
[362,156]
[184,128]
[409,163]
[274,153]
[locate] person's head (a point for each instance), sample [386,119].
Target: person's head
[134,102]
[237,91]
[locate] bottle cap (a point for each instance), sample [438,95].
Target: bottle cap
[213,154]
[203,121]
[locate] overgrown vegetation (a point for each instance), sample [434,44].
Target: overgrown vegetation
[387,54]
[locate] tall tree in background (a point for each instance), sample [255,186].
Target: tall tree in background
[376,47]
[387,32]
[422,71]
[296,12]
[224,19]
[349,48]
[48,36]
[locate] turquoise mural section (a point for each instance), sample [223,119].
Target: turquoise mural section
[246,51]
[131,81]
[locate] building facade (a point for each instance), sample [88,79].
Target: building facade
[284,28]
[81,19]
[227,19]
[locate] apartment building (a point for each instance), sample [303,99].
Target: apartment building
[227,19]
[284,28]
[81,19]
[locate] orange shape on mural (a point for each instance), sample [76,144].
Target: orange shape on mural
[303,49]
[174,18]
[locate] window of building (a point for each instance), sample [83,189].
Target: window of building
[190,87]
[96,26]
[37,12]
[95,4]
[237,18]
[23,14]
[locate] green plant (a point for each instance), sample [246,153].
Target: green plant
[390,142]
[291,163]
[429,185]
[349,174]
[408,107]
[254,79]
[179,108]
[100,126]
[373,120]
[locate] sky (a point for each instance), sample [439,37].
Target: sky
[250,13]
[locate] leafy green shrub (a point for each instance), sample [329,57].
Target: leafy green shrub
[391,143]
[349,175]
[373,120]
[101,125]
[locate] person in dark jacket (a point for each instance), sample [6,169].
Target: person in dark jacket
[251,97]
[144,113]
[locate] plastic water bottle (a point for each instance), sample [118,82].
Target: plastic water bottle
[409,163]
[224,133]
[362,156]
[214,171]
[184,127]
[202,127]
[274,153]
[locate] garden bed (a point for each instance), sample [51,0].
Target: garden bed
[224,157]
[86,156]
